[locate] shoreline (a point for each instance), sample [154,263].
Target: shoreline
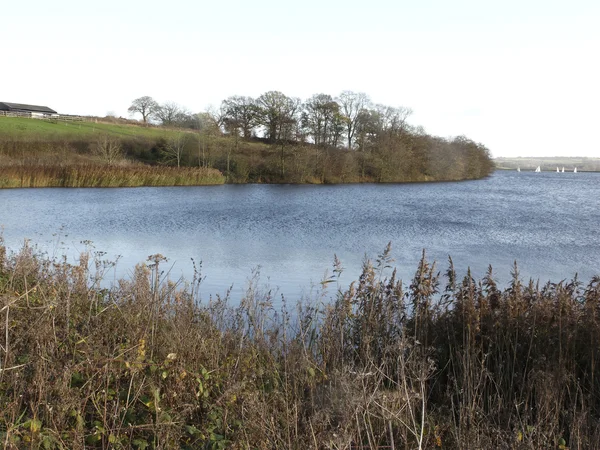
[96,176]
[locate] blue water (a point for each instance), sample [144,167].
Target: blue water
[547,222]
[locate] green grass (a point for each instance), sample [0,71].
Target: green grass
[33,129]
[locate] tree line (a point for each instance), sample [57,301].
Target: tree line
[323,139]
[349,120]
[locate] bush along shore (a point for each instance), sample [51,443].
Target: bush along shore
[443,363]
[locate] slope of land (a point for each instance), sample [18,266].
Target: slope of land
[36,146]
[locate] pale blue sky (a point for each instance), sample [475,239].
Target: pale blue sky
[521,77]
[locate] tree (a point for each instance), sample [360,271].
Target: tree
[278,114]
[175,147]
[240,114]
[217,116]
[186,119]
[208,128]
[321,118]
[168,113]
[145,106]
[108,149]
[351,105]
[392,120]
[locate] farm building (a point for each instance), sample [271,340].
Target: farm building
[25,110]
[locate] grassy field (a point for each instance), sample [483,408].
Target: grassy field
[23,129]
[46,130]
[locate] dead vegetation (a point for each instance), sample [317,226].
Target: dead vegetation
[146,364]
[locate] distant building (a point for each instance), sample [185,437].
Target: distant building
[31,110]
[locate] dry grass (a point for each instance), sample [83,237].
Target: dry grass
[96,175]
[145,364]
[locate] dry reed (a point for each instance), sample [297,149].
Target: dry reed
[145,364]
[90,175]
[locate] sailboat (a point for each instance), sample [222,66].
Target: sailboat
[563,171]
[557,170]
[575,170]
[519,169]
[538,169]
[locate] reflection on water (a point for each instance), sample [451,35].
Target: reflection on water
[548,222]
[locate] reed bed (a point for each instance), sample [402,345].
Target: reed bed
[442,362]
[96,175]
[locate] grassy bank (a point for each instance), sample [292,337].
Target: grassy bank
[443,363]
[404,156]
[105,176]
[23,129]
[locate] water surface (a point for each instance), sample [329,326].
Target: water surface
[548,222]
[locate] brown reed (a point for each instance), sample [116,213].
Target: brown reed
[147,364]
[96,175]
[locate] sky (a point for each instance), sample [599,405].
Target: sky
[522,77]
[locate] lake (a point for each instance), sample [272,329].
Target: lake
[548,222]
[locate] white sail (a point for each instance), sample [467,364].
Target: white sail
[538,169]
[518,169]
[575,170]
[557,169]
[563,171]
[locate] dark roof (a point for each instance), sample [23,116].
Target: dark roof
[5,106]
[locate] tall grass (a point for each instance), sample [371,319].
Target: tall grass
[441,362]
[96,175]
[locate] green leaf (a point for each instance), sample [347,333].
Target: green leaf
[93,439]
[140,443]
[192,430]
[216,437]
[48,442]
[36,425]
[80,422]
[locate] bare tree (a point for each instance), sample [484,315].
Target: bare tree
[241,114]
[175,147]
[278,114]
[218,116]
[208,129]
[108,149]
[351,105]
[392,120]
[319,118]
[168,113]
[145,106]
